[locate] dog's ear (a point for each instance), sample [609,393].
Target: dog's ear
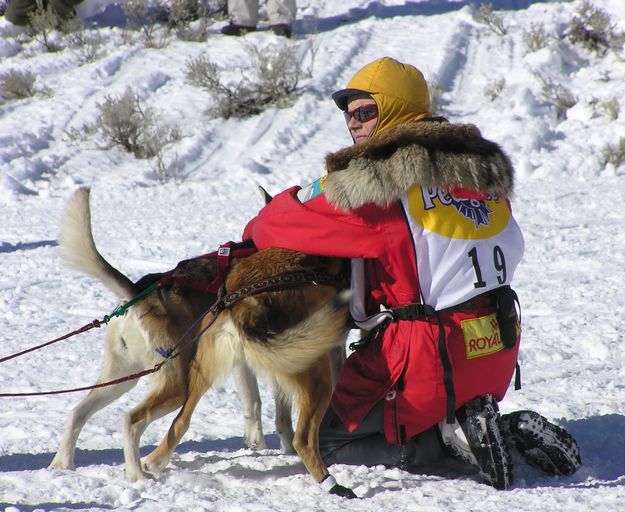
[266,196]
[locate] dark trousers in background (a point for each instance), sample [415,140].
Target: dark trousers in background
[17,11]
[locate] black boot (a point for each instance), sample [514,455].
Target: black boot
[282,29]
[233,29]
[541,444]
[477,438]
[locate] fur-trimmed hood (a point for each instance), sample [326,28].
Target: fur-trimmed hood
[427,153]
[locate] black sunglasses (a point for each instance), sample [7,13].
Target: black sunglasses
[362,114]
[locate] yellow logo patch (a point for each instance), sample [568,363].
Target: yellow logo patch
[468,219]
[481,336]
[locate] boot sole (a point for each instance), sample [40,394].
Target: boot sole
[544,445]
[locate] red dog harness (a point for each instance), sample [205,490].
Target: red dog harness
[224,256]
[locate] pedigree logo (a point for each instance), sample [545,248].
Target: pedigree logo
[469,219]
[471,209]
[481,336]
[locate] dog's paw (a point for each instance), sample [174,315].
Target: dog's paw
[153,465]
[343,492]
[287,447]
[286,441]
[137,475]
[329,484]
[256,444]
[62,463]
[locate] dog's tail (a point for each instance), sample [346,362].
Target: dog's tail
[78,249]
[296,348]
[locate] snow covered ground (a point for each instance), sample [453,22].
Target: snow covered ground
[570,204]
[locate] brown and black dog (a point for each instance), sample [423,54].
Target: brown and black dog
[286,335]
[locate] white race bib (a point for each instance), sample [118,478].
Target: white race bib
[464,247]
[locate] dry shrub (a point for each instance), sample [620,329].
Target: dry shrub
[125,123]
[17,85]
[156,20]
[491,19]
[556,95]
[593,29]
[536,38]
[144,18]
[494,90]
[87,44]
[614,154]
[190,19]
[44,24]
[612,108]
[272,78]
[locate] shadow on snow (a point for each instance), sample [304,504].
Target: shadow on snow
[601,440]
[50,507]
[35,461]
[26,246]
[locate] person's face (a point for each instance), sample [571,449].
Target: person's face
[362,117]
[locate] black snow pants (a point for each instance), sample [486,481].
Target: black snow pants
[367,445]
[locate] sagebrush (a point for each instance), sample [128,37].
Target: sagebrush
[50,29]
[155,20]
[614,154]
[557,95]
[17,84]
[143,16]
[190,19]
[493,90]
[271,78]
[124,122]
[44,25]
[536,38]
[87,44]
[593,29]
[491,19]
[612,108]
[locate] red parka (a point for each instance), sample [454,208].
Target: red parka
[376,203]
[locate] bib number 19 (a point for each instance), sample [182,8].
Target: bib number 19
[498,265]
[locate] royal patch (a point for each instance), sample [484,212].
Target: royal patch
[481,336]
